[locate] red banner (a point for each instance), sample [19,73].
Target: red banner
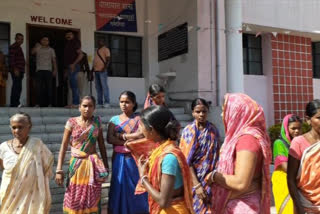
[116,15]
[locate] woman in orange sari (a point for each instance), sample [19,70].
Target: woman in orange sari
[303,164]
[165,175]
[242,179]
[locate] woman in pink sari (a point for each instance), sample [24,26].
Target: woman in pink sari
[156,96]
[241,183]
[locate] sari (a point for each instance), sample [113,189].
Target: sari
[148,102]
[86,172]
[308,179]
[28,188]
[242,116]
[138,148]
[283,201]
[179,205]
[201,149]
[125,174]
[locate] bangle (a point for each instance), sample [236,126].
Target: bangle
[124,137]
[197,186]
[59,171]
[212,175]
[142,179]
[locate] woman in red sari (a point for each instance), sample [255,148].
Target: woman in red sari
[165,174]
[241,183]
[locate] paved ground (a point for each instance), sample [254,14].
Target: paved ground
[104,210]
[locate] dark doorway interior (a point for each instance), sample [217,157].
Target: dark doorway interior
[57,42]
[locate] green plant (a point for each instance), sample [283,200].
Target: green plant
[274,132]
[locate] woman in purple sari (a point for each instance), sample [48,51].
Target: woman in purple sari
[200,144]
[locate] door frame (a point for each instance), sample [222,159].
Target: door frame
[28,26]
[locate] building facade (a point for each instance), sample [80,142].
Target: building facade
[267,49]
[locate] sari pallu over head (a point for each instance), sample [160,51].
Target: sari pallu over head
[308,178]
[201,150]
[131,125]
[279,155]
[155,174]
[242,116]
[81,144]
[28,190]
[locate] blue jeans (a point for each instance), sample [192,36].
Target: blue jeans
[101,81]
[74,85]
[16,89]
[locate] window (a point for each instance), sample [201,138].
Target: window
[252,54]
[126,54]
[316,59]
[4,38]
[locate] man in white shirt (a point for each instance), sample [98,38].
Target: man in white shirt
[46,69]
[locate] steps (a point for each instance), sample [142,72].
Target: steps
[48,124]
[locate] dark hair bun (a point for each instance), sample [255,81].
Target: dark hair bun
[312,108]
[172,129]
[199,101]
[162,120]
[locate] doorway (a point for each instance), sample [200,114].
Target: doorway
[57,42]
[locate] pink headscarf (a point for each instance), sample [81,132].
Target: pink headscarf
[285,124]
[241,116]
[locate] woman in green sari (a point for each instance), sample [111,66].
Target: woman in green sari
[291,127]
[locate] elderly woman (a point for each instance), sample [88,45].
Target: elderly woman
[242,181]
[27,165]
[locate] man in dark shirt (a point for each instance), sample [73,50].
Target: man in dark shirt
[72,57]
[16,66]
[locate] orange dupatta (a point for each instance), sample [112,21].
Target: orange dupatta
[309,178]
[155,173]
[141,147]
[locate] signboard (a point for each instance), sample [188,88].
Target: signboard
[51,20]
[173,42]
[116,15]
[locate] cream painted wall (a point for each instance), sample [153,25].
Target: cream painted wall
[316,88]
[256,87]
[260,87]
[195,71]
[18,12]
[299,15]
[173,13]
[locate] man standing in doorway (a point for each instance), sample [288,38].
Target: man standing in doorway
[100,66]
[72,57]
[46,69]
[16,66]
